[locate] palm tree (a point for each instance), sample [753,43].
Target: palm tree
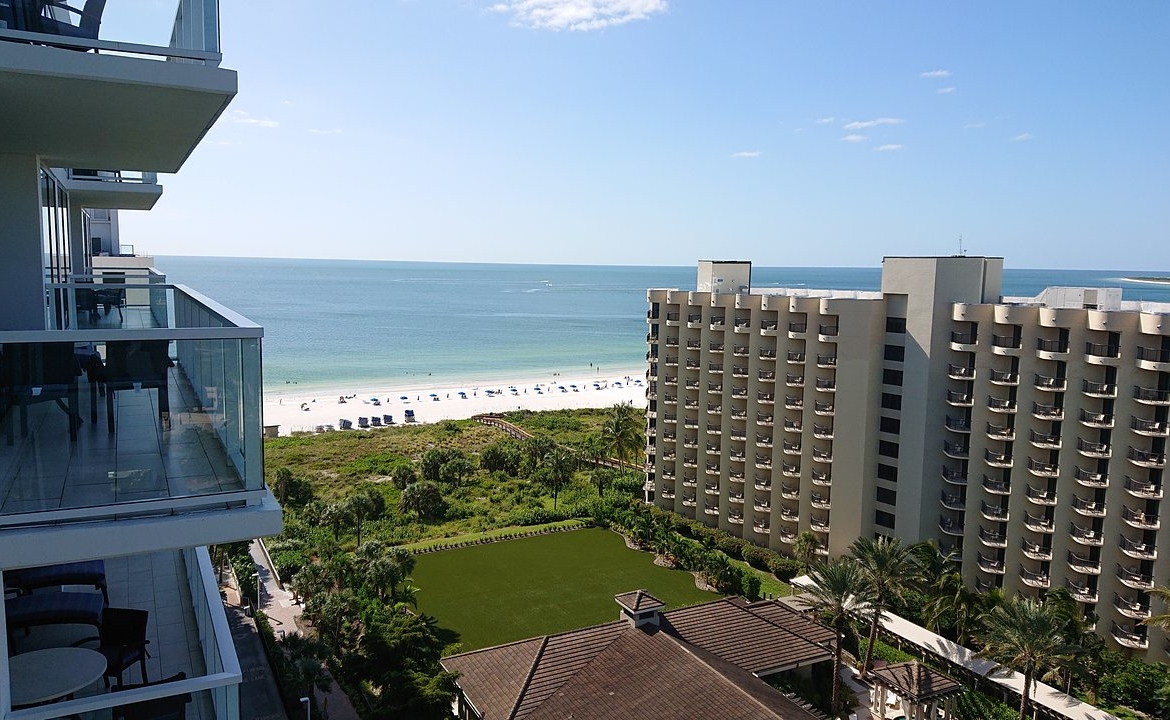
[891,569]
[951,598]
[840,592]
[622,432]
[305,658]
[804,549]
[1161,620]
[1027,637]
[560,465]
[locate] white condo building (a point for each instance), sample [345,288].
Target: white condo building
[130,406]
[1026,434]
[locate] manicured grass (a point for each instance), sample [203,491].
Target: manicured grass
[516,589]
[490,534]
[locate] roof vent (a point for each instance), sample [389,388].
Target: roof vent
[639,608]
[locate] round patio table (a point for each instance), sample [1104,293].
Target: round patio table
[42,676]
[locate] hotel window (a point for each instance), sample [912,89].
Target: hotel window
[896,325]
[887,472]
[884,519]
[888,449]
[895,353]
[887,496]
[890,425]
[891,401]
[892,377]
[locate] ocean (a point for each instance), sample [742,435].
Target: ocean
[331,323]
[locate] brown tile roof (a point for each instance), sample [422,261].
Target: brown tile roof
[763,637]
[638,601]
[916,682]
[493,678]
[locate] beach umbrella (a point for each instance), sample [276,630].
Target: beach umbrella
[403,397]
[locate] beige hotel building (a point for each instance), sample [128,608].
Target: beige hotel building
[1028,435]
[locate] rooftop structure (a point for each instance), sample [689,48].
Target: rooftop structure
[1027,435]
[130,430]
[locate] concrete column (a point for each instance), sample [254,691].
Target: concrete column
[22,290]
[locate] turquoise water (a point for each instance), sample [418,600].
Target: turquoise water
[334,322]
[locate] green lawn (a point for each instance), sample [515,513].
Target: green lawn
[516,589]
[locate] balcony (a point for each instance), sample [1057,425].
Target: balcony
[743,325]
[1096,420]
[827,332]
[826,361]
[1151,396]
[821,455]
[959,399]
[1043,469]
[787,537]
[1101,354]
[114,189]
[1082,564]
[180,88]
[955,450]
[997,513]
[1093,449]
[1047,412]
[689,501]
[713,409]
[767,353]
[1090,479]
[820,525]
[1050,384]
[1005,378]
[1128,638]
[1001,405]
[997,459]
[765,398]
[797,330]
[670,361]
[1131,608]
[736,498]
[791,448]
[1000,432]
[714,388]
[1139,551]
[1146,459]
[1149,428]
[793,403]
[1044,440]
[819,501]
[1051,349]
[764,419]
[949,526]
[823,408]
[789,470]
[789,515]
[736,476]
[716,368]
[996,487]
[1005,345]
[1038,524]
[954,476]
[960,372]
[691,442]
[990,565]
[766,376]
[794,426]
[768,328]
[1035,551]
[821,477]
[1156,359]
[826,385]
[965,342]
[761,505]
[1098,389]
[1143,489]
[795,358]
[1085,536]
[1037,496]
[1134,580]
[1140,519]
[1088,508]
[177,436]
[693,364]
[739,393]
[789,492]
[762,527]
[1081,592]
[822,432]
[739,371]
[717,323]
[1034,579]
[991,538]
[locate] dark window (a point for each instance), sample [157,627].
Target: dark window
[891,401]
[887,496]
[884,519]
[889,449]
[891,425]
[887,472]
[897,353]
[895,325]
[892,377]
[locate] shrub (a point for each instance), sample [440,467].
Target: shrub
[784,568]
[757,556]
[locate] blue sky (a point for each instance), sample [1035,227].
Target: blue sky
[664,131]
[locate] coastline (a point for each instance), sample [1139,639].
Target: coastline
[1148,280]
[303,410]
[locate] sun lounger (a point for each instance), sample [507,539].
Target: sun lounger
[54,608]
[388,419]
[92,572]
[363,422]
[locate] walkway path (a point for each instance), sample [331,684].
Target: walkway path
[283,611]
[259,697]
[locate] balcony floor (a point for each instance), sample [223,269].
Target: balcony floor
[156,583]
[139,461]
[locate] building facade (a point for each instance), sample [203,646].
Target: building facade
[130,407]
[1027,435]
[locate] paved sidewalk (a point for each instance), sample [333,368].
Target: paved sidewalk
[259,698]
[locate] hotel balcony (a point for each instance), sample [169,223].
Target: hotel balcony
[797,330]
[997,459]
[670,361]
[1001,432]
[792,380]
[736,497]
[789,492]
[768,328]
[689,501]
[1101,354]
[1090,479]
[1043,469]
[949,526]
[1131,608]
[740,435]
[996,487]
[188,632]
[1044,440]
[714,388]
[1051,349]
[1144,458]
[762,527]
[1005,345]
[1050,384]
[713,409]
[824,456]
[826,385]
[116,84]
[1038,524]
[767,376]
[823,408]
[672,321]
[1149,428]
[992,538]
[826,361]
[668,492]
[1140,519]
[672,341]
[1040,497]
[114,189]
[764,419]
[1093,449]
[739,393]
[1136,550]
[743,325]
[690,482]
[691,404]
[793,426]
[983,586]
[789,470]
[1129,638]
[1001,405]
[717,323]
[793,403]
[1098,389]
[1151,396]
[997,513]
[766,398]
[690,461]
[791,448]
[820,525]
[1047,412]
[1096,420]
[1035,551]
[1083,564]
[958,451]
[964,342]
[1143,489]
[716,368]
[691,423]
[175,442]
[1034,579]
[795,358]
[819,501]
[990,565]
[735,518]
[1082,593]
[953,476]
[1085,536]
[1088,508]
[959,399]
[763,462]
[1134,580]
[713,470]
[736,477]
[1156,359]
[789,515]
[715,347]
[960,372]
[787,537]
[1005,378]
[739,371]
[767,353]
[823,432]
[827,333]
[692,364]
[762,506]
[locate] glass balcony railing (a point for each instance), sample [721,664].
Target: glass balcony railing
[153,411]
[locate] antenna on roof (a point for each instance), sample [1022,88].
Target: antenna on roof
[962,252]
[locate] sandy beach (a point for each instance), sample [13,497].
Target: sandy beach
[296,410]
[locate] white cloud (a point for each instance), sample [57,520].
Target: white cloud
[865,124]
[888,148]
[243,118]
[854,137]
[746,154]
[825,120]
[578,14]
[936,74]
[1022,137]
[945,91]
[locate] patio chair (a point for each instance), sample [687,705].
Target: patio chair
[32,373]
[111,296]
[122,640]
[135,365]
[56,19]
[89,572]
[54,608]
[172,707]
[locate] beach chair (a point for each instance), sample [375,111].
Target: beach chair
[388,419]
[375,421]
[363,422]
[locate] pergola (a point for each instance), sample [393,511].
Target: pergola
[920,693]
